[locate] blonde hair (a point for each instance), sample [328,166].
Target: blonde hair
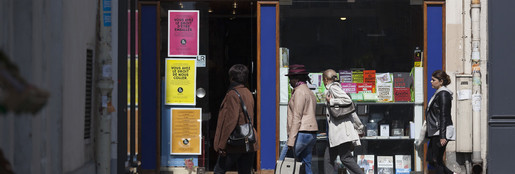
[330,74]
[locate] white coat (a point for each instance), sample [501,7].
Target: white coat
[341,130]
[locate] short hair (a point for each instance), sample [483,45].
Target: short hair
[330,74]
[239,73]
[442,76]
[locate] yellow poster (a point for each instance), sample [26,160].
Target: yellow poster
[186,131]
[180,78]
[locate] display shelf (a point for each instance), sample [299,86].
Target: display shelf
[379,103]
[387,138]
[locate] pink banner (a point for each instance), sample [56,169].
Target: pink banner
[183,31]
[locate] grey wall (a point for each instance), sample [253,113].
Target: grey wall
[501,116]
[48,39]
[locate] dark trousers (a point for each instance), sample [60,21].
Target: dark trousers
[243,161]
[344,150]
[435,152]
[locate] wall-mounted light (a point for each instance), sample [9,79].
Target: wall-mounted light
[233,12]
[235,5]
[210,10]
[343,18]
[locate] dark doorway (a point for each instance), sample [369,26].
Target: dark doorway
[227,37]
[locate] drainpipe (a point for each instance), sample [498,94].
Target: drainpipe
[105,85]
[476,85]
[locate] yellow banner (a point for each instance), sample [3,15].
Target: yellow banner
[186,131]
[180,78]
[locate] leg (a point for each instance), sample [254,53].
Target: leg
[283,152]
[304,148]
[224,163]
[329,157]
[348,160]
[245,163]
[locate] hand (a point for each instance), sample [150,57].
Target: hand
[443,141]
[222,152]
[328,97]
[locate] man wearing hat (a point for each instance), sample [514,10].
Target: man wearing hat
[302,125]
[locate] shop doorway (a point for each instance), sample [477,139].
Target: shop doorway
[227,36]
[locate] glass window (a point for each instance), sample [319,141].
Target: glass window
[371,34]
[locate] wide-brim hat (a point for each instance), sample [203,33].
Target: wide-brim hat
[296,70]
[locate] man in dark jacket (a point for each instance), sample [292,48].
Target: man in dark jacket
[230,115]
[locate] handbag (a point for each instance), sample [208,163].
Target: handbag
[287,166]
[340,110]
[450,134]
[242,134]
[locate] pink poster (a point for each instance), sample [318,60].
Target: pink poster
[183,31]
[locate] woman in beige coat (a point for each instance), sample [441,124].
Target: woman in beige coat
[342,131]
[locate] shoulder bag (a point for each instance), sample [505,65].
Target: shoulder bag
[341,110]
[242,134]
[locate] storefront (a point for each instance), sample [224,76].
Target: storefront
[347,36]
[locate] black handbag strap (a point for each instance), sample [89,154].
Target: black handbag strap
[243,106]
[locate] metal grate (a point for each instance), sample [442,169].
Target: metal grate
[89,92]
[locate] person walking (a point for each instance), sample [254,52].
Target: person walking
[231,114]
[343,131]
[302,126]
[438,117]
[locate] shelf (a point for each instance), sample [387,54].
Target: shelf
[381,103]
[375,138]
[387,138]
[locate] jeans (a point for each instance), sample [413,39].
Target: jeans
[303,149]
[244,162]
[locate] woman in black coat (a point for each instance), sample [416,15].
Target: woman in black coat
[438,117]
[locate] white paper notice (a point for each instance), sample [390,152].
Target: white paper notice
[104,101]
[464,94]
[107,71]
[476,102]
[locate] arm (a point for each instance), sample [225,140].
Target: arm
[298,103]
[339,97]
[445,112]
[227,120]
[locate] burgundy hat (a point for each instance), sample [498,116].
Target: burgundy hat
[296,70]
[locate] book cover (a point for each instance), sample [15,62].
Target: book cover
[349,88]
[384,92]
[384,130]
[356,96]
[366,162]
[316,80]
[369,76]
[402,94]
[357,76]
[402,80]
[402,164]
[370,97]
[365,87]
[345,76]
[384,164]
[317,86]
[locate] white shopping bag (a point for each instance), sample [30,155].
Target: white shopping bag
[288,166]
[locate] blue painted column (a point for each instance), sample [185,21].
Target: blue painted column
[434,43]
[148,82]
[268,80]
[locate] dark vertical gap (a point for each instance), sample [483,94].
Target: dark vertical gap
[122,87]
[133,81]
[89,88]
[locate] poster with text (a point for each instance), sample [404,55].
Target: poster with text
[183,32]
[180,78]
[185,131]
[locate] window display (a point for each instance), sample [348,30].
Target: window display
[373,45]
